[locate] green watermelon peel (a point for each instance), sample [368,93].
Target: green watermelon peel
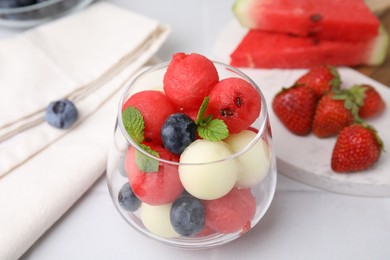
[341,20]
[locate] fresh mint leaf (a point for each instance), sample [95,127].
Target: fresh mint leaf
[202,110]
[208,128]
[214,131]
[134,123]
[146,163]
[207,119]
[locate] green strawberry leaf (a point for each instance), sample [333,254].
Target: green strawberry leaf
[134,123]
[349,97]
[336,81]
[208,128]
[146,163]
[358,94]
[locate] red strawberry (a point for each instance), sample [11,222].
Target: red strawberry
[357,148]
[295,108]
[370,101]
[334,112]
[321,79]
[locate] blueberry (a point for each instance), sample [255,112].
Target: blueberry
[61,114]
[127,199]
[177,132]
[187,215]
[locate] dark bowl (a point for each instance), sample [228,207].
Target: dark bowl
[35,14]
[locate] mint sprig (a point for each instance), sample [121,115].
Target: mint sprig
[209,128]
[146,163]
[134,123]
[135,126]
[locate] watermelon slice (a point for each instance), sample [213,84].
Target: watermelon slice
[346,20]
[261,49]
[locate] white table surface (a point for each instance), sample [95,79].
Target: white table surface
[302,223]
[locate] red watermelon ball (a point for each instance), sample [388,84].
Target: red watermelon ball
[232,212]
[189,79]
[155,107]
[154,188]
[206,231]
[236,102]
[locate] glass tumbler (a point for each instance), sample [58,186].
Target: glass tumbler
[195,204]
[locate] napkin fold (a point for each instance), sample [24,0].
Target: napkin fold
[70,58]
[87,57]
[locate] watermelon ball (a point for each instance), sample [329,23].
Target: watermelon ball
[206,231]
[232,212]
[127,199]
[187,215]
[61,114]
[193,113]
[188,79]
[154,188]
[155,107]
[156,219]
[177,132]
[236,102]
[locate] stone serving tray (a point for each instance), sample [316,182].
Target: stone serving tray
[307,159]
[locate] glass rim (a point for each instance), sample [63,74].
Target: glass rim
[263,113]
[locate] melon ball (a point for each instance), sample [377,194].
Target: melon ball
[232,212]
[155,107]
[253,164]
[208,180]
[236,102]
[188,79]
[156,219]
[154,188]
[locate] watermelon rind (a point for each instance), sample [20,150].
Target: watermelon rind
[326,19]
[379,48]
[241,11]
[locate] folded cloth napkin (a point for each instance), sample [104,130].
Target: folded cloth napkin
[69,58]
[87,57]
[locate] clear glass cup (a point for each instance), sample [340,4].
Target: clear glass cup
[252,199]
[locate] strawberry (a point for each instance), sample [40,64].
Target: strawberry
[370,101]
[335,110]
[295,108]
[321,79]
[357,147]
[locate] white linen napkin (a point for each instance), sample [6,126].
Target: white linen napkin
[37,193]
[70,58]
[86,57]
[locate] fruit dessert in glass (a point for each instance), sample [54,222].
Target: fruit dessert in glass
[192,163]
